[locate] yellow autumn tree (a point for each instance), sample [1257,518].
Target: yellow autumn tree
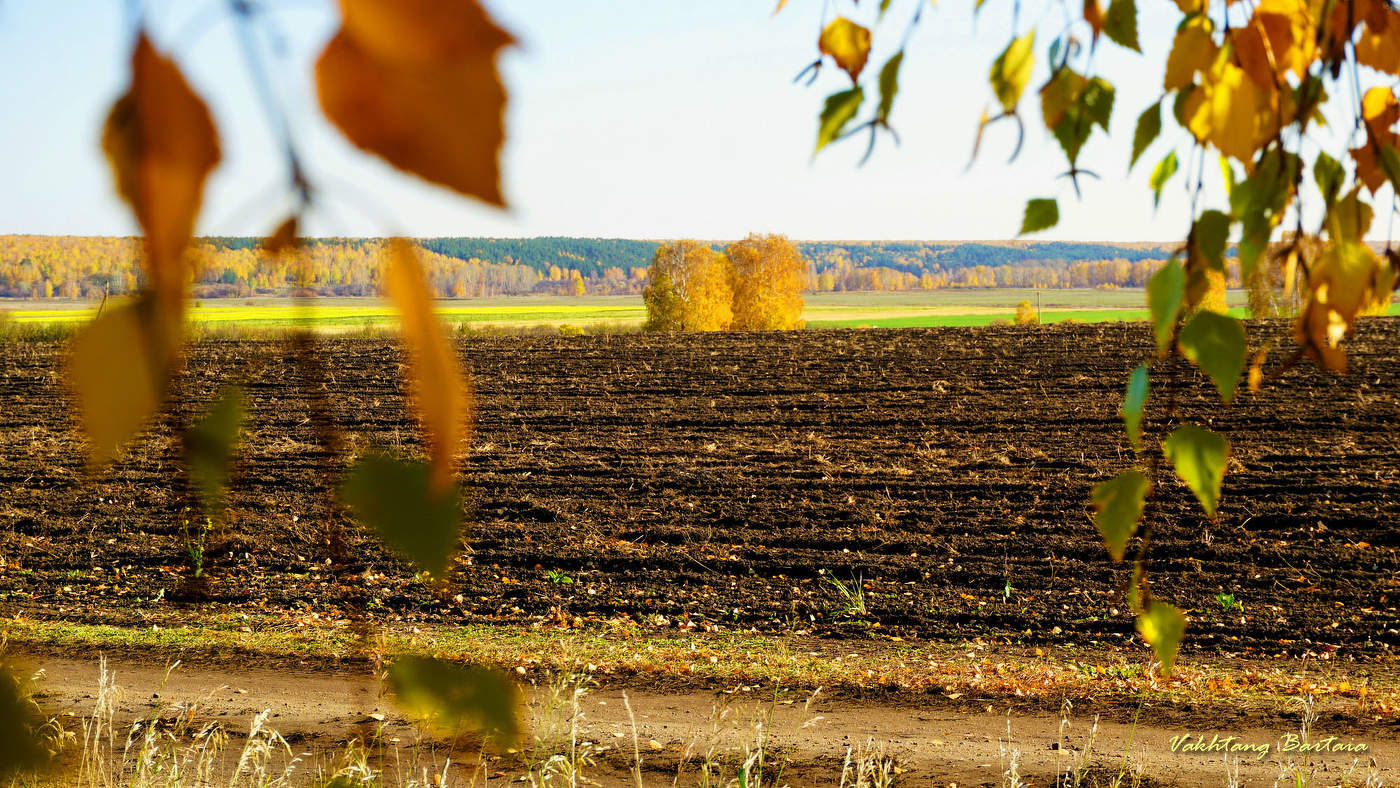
[1026,314]
[769,277]
[690,289]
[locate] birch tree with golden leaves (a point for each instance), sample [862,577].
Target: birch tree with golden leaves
[770,275]
[690,289]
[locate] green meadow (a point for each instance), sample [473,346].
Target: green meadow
[969,307]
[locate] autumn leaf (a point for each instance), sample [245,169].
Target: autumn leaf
[440,389]
[1277,40]
[1011,71]
[1223,111]
[1193,50]
[1093,16]
[162,146]
[416,84]
[1118,505]
[283,239]
[1348,280]
[847,43]
[1379,48]
[1374,160]
[119,366]
[1059,94]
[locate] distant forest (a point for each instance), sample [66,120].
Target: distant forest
[82,266]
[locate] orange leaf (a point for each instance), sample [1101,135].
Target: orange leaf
[283,238]
[416,84]
[1379,44]
[162,146]
[1093,14]
[439,387]
[848,44]
[426,32]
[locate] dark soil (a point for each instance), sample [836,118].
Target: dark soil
[717,482]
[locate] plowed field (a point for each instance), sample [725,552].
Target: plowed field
[723,481]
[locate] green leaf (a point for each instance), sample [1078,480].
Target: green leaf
[1011,71]
[889,86]
[1165,292]
[1118,505]
[453,696]
[1120,23]
[1041,214]
[1149,125]
[1134,401]
[1199,457]
[1162,626]
[1216,343]
[1163,172]
[1179,105]
[1389,161]
[1212,234]
[1329,176]
[209,448]
[1227,174]
[1072,132]
[396,500]
[839,109]
[1097,101]
[21,748]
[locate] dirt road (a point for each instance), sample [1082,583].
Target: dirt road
[317,710]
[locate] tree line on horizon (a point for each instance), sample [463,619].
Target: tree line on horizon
[93,267]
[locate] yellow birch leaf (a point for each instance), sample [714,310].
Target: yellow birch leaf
[416,84]
[1380,110]
[118,367]
[1225,112]
[848,44]
[439,388]
[1348,280]
[1192,50]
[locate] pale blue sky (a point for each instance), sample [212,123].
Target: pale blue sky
[627,118]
